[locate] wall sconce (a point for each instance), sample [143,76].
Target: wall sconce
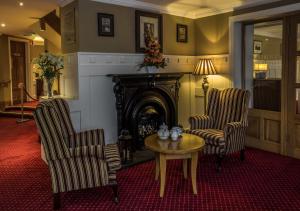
[205,67]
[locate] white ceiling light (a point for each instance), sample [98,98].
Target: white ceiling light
[3,25]
[21,4]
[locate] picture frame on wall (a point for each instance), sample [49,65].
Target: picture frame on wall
[257,47]
[182,33]
[146,22]
[106,25]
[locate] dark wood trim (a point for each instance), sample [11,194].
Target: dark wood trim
[52,20]
[264,7]
[138,14]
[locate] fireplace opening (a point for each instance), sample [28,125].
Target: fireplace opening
[146,111]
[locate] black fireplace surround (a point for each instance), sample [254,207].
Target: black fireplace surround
[145,101]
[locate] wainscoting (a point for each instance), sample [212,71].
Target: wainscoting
[93,104]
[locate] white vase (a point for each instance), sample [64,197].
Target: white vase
[151,69]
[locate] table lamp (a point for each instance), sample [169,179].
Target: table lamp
[205,67]
[260,70]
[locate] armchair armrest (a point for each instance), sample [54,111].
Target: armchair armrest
[233,127]
[87,151]
[87,138]
[112,157]
[200,122]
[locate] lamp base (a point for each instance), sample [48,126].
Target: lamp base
[205,86]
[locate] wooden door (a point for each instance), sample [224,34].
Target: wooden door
[264,130]
[293,87]
[18,68]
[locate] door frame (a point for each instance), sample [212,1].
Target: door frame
[27,65]
[292,117]
[236,54]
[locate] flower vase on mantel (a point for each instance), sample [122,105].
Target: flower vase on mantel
[151,69]
[49,87]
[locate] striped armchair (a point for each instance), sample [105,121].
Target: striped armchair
[224,126]
[75,160]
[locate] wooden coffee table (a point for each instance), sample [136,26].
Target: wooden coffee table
[186,148]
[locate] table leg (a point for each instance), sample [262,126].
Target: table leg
[194,163]
[185,167]
[162,165]
[156,166]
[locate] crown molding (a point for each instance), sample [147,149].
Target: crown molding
[171,11]
[195,14]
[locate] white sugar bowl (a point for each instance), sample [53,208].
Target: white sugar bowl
[175,133]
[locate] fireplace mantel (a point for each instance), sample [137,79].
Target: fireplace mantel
[148,76]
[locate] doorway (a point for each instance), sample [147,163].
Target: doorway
[18,64]
[271,71]
[263,77]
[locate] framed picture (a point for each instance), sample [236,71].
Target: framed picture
[106,25]
[182,33]
[257,47]
[146,22]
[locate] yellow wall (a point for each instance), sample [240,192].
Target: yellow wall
[212,34]
[124,38]
[170,44]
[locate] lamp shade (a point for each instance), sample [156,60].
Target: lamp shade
[260,67]
[205,67]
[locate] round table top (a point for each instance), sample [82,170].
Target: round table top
[186,144]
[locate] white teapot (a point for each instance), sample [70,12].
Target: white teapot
[163,132]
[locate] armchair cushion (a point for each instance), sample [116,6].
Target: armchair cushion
[87,151]
[87,138]
[112,157]
[200,122]
[212,136]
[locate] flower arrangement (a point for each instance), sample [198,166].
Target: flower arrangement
[153,56]
[50,66]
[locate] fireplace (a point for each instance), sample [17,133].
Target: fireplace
[145,101]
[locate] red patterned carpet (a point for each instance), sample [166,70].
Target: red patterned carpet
[265,181]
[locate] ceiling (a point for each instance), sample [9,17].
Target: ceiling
[17,18]
[188,8]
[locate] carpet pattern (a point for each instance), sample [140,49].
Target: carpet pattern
[264,181]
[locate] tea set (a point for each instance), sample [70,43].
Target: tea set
[164,133]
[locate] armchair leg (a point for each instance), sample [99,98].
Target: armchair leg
[116,193]
[242,155]
[219,162]
[56,201]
